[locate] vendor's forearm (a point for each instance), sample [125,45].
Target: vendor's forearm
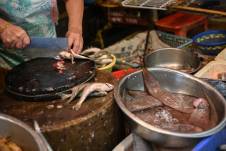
[3,25]
[75,12]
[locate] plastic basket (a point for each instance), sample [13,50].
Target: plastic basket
[211,42]
[174,40]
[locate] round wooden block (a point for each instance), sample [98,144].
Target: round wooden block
[95,127]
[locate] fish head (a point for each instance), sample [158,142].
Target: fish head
[108,87]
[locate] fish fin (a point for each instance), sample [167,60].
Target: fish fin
[75,92]
[76,106]
[64,96]
[79,103]
[86,91]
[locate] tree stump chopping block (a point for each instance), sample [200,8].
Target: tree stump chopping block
[95,127]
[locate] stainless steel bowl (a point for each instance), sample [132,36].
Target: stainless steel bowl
[21,134]
[173,58]
[173,81]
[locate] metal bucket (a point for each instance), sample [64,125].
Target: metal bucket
[173,58]
[173,81]
[21,134]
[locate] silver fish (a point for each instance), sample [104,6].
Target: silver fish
[75,91]
[100,87]
[103,57]
[102,53]
[104,61]
[90,51]
[71,55]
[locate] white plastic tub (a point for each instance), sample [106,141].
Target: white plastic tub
[212,69]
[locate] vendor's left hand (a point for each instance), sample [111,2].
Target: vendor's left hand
[75,41]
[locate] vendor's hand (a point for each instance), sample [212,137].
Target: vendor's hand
[14,37]
[75,41]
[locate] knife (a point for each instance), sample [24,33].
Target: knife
[50,43]
[44,47]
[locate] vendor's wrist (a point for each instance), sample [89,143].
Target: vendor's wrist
[75,29]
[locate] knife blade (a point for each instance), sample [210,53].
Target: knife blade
[44,47]
[50,43]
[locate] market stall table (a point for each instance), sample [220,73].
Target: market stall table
[94,127]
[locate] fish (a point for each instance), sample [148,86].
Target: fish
[67,55]
[75,90]
[157,116]
[140,100]
[104,61]
[162,118]
[71,55]
[100,87]
[103,57]
[201,115]
[102,53]
[167,98]
[90,51]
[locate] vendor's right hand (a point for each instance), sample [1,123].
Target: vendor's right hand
[14,37]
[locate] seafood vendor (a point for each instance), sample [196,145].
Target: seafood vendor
[20,19]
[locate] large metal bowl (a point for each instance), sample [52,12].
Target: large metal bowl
[173,58]
[173,81]
[21,134]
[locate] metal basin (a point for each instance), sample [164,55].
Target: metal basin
[173,58]
[21,134]
[177,82]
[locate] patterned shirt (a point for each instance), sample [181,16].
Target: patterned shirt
[37,17]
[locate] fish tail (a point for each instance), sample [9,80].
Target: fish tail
[76,106]
[82,98]
[73,95]
[151,84]
[64,96]
[75,92]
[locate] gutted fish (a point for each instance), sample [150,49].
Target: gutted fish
[201,115]
[140,100]
[167,98]
[157,116]
[161,117]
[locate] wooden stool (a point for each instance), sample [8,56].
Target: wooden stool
[181,23]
